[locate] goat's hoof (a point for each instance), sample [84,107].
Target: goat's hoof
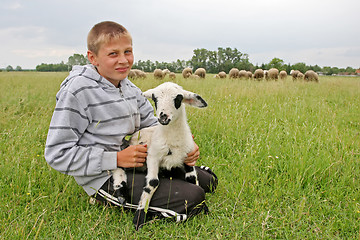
[121,196]
[121,200]
[139,218]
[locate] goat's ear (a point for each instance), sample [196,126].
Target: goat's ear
[194,99]
[178,101]
[148,93]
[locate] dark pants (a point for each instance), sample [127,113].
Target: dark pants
[173,197]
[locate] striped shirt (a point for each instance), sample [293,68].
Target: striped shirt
[89,123]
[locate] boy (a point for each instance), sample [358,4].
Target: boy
[96,108]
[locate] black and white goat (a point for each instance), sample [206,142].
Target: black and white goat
[168,143]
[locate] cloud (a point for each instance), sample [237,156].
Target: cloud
[307,31]
[28,46]
[163,52]
[46,52]
[23,34]
[352,52]
[12,6]
[336,56]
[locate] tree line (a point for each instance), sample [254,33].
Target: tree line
[226,58]
[222,59]
[76,59]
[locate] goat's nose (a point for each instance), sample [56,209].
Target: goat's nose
[163,119]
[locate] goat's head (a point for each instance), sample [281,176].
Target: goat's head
[169,98]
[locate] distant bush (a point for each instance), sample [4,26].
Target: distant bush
[59,67]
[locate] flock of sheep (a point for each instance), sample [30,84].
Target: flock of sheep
[259,74]
[271,74]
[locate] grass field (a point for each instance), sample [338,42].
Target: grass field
[287,155]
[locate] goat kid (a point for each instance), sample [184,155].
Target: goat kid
[168,143]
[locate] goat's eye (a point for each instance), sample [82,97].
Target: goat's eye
[178,100]
[154,99]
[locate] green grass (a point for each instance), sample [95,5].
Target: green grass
[287,155]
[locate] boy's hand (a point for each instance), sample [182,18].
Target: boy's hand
[192,156]
[132,156]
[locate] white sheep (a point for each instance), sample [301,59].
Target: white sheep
[283,75]
[187,72]
[221,74]
[158,74]
[234,73]
[300,76]
[272,73]
[193,76]
[259,74]
[296,74]
[249,74]
[172,75]
[136,73]
[166,71]
[168,142]
[310,75]
[140,73]
[243,74]
[201,72]
[266,72]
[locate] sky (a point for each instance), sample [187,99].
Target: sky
[322,32]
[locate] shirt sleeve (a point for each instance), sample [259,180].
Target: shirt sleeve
[68,124]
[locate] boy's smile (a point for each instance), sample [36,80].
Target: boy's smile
[114,59]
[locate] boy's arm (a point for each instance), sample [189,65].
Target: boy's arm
[62,152]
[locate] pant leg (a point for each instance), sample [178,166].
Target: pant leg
[173,192]
[173,197]
[207,179]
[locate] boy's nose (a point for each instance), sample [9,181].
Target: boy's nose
[122,59]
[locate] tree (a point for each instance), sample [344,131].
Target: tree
[300,66]
[229,58]
[77,59]
[335,70]
[59,67]
[211,64]
[350,70]
[276,63]
[9,68]
[244,63]
[147,66]
[18,68]
[316,68]
[288,68]
[199,58]
[330,70]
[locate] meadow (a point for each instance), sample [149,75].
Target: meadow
[287,155]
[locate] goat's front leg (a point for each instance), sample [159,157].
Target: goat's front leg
[151,184]
[191,175]
[119,185]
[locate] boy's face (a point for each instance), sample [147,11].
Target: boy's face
[114,59]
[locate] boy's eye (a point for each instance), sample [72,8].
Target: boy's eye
[128,51]
[112,54]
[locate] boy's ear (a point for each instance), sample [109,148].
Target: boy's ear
[194,99]
[92,58]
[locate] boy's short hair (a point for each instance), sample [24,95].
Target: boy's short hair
[104,32]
